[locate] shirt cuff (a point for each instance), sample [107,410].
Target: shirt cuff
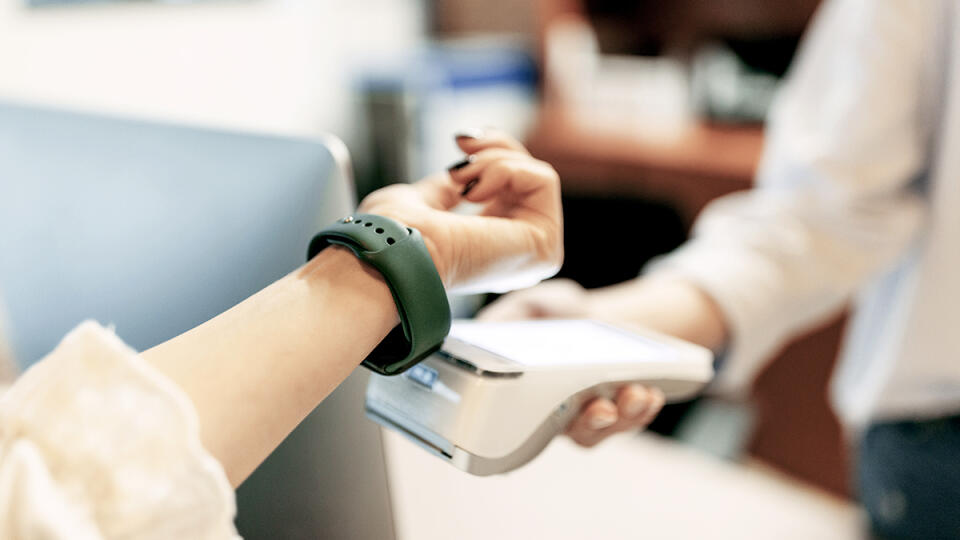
[735,281]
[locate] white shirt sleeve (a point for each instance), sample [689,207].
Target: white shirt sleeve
[835,202]
[95,443]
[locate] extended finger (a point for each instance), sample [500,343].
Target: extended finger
[473,165]
[520,177]
[475,140]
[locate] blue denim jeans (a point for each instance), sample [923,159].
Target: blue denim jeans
[908,476]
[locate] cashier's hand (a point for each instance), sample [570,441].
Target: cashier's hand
[634,406]
[514,239]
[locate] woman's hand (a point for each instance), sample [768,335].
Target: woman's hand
[634,407]
[514,241]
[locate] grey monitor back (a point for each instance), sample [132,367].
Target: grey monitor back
[156,228]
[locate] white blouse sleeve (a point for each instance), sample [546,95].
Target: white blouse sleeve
[835,203]
[94,443]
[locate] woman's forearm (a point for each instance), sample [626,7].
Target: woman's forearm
[668,305]
[254,372]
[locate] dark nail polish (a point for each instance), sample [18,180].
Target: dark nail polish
[462,163]
[469,187]
[469,134]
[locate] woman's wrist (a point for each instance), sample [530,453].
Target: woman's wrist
[336,271]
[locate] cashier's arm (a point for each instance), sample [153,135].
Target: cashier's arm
[255,371]
[665,304]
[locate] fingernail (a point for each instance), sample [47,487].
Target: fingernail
[602,421]
[472,133]
[634,407]
[462,163]
[637,400]
[469,187]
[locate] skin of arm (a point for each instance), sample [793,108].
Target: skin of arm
[255,371]
[668,305]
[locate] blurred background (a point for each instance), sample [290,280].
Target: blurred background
[648,110]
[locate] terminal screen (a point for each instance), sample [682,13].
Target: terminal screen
[560,342]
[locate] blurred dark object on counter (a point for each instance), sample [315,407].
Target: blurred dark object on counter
[636,231]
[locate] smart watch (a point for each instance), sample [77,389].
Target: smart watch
[400,255]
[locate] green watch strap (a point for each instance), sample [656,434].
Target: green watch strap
[399,254]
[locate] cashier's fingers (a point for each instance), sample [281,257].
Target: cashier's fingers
[594,422]
[633,401]
[635,407]
[654,406]
[472,141]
